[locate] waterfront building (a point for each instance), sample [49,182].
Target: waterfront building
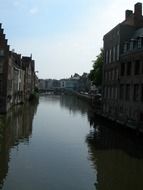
[29,78]
[15,80]
[122,69]
[4,58]
[17,76]
[84,83]
[71,83]
[42,85]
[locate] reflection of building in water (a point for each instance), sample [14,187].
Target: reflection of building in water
[15,127]
[4,155]
[74,104]
[117,157]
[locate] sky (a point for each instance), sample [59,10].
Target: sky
[63,36]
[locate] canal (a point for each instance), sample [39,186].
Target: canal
[57,144]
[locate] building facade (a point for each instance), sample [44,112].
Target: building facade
[17,76]
[4,58]
[123,49]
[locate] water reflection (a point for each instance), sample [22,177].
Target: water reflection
[15,128]
[74,104]
[117,156]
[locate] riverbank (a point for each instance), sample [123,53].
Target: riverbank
[120,121]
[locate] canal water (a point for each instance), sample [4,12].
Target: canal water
[57,144]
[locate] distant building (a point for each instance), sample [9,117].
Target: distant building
[71,83]
[48,84]
[75,82]
[123,70]
[84,83]
[42,84]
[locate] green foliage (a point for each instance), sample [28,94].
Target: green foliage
[95,74]
[36,90]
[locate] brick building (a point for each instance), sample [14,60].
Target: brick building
[17,76]
[123,69]
[29,79]
[4,58]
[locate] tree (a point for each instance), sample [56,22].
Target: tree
[95,74]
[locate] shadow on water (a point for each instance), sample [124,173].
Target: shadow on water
[15,128]
[117,156]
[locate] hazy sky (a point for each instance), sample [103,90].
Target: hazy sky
[64,36]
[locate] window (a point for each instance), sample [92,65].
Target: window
[121,92]
[136,92]
[125,47]
[116,74]
[127,92]
[0,86]
[106,57]
[109,75]
[1,52]
[137,67]
[118,51]
[116,92]
[122,69]
[141,116]
[139,44]
[105,92]
[113,74]
[112,92]
[129,68]
[132,44]
[142,92]
[114,53]
[108,92]
[1,67]
[110,54]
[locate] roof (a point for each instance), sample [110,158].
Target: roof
[138,33]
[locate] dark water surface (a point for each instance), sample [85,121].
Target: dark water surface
[57,145]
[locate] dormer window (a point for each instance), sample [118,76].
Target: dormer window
[140,42]
[1,52]
[132,44]
[125,47]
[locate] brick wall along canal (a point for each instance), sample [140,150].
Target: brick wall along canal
[52,146]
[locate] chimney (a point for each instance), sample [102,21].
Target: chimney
[138,9]
[128,13]
[6,40]
[4,36]
[1,30]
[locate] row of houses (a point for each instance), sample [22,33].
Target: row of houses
[75,82]
[123,70]
[17,75]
